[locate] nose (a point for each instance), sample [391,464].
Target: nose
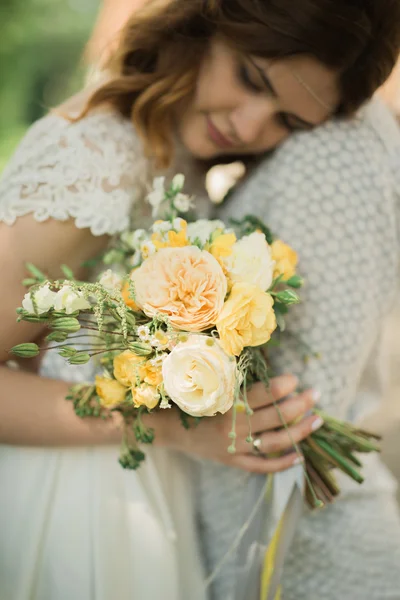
[250,119]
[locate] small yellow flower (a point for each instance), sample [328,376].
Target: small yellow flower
[174,239]
[111,392]
[286,260]
[221,245]
[151,374]
[247,318]
[145,395]
[127,366]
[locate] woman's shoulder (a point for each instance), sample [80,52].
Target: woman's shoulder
[92,169]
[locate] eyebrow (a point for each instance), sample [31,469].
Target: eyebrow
[271,89]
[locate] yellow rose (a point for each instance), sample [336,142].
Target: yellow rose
[151,374]
[247,319]
[145,395]
[285,259]
[127,366]
[200,377]
[185,284]
[111,392]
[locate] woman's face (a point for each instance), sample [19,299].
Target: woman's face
[248,105]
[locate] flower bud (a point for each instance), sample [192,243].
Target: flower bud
[57,336]
[66,324]
[67,352]
[287,297]
[141,349]
[26,350]
[178,182]
[79,359]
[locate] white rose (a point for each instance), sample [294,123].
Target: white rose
[251,261]
[199,377]
[69,300]
[178,182]
[183,203]
[202,229]
[110,280]
[44,299]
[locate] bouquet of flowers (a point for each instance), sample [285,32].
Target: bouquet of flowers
[183,318]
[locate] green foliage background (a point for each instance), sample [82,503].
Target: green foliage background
[41,45]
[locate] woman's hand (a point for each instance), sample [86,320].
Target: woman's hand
[211,439]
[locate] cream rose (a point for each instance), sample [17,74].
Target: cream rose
[110,280]
[186,284]
[199,377]
[251,261]
[247,319]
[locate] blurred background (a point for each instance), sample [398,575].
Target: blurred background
[48,50]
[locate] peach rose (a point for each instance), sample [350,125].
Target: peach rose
[247,319]
[186,284]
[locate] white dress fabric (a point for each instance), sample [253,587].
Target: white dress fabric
[334,195]
[73,524]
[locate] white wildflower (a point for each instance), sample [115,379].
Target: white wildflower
[161,226]
[202,229]
[157,195]
[179,224]
[147,249]
[44,299]
[183,203]
[178,182]
[70,300]
[133,239]
[143,332]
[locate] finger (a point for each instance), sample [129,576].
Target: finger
[258,464]
[291,409]
[277,441]
[280,387]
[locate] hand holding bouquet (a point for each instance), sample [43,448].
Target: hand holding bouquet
[184,319]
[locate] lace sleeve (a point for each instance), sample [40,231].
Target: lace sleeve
[90,170]
[330,194]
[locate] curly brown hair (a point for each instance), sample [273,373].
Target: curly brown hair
[161,48]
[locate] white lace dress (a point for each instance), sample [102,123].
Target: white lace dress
[334,194]
[73,524]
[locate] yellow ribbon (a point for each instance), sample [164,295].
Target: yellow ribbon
[269,564]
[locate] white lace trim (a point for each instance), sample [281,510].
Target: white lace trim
[92,171]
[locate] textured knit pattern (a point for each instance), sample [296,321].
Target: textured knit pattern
[333,195]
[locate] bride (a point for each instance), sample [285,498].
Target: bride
[190,83]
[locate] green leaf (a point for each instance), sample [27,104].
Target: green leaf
[28,282]
[37,273]
[280,321]
[67,272]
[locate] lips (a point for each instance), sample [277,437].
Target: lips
[216,136]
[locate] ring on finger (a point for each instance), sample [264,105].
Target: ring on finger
[257,446]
